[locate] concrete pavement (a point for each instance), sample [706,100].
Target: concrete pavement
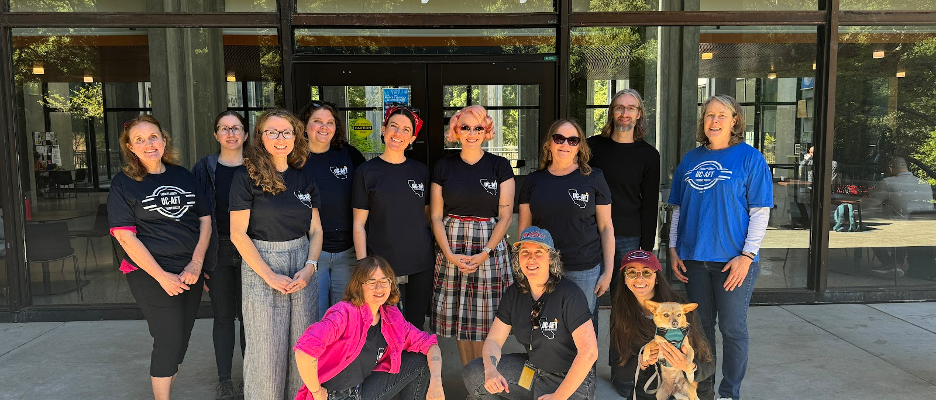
[836,351]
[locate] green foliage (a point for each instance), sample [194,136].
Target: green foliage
[85,101]
[926,153]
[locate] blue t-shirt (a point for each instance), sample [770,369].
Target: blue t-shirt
[714,190]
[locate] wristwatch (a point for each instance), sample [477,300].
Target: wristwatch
[489,251]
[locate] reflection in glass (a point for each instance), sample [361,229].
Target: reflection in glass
[74,88]
[701,5]
[768,70]
[184,6]
[426,41]
[515,111]
[891,5]
[360,109]
[885,152]
[424,6]
[4,285]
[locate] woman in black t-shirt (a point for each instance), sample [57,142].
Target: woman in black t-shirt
[215,172]
[162,219]
[549,316]
[275,227]
[632,327]
[471,207]
[331,164]
[572,200]
[389,200]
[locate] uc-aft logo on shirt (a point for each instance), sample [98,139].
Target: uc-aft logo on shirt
[340,172]
[549,327]
[706,174]
[418,188]
[305,198]
[170,201]
[580,199]
[489,186]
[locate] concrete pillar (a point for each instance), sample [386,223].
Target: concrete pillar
[188,78]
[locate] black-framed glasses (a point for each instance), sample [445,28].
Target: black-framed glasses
[230,130]
[468,129]
[573,140]
[633,273]
[373,283]
[274,134]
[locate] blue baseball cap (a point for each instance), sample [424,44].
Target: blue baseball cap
[535,234]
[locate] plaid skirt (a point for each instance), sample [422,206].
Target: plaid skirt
[463,305]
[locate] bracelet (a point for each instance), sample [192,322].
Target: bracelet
[748,255]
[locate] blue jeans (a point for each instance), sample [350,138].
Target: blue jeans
[587,280]
[411,383]
[510,367]
[622,245]
[333,275]
[729,309]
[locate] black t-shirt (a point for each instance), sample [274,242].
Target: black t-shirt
[562,312]
[471,190]
[375,345]
[333,173]
[278,218]
[397,228]
[565,206]
[223,177]
[632,171]
[165,209]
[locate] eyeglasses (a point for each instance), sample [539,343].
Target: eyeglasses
[230,130]
[720,117]
[633,273]
[534,318]
[626,109]
[373,283]
[274,134]
[477,129]
[573,140]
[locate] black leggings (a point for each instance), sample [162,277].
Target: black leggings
[417,293]
[224,287]
[170,320]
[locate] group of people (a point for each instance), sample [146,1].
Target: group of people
[312,248]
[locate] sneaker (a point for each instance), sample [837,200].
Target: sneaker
[888,271]
[225,390]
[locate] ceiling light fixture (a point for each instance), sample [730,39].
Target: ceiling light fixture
[38,69]
[901,74]
[88,79]
[772,75]
[707,55]
[230,77]
[878,54]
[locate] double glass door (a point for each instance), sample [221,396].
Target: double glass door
[519,97]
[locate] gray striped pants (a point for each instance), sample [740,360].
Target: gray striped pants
[274,322]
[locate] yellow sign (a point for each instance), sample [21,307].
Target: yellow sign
[362,128]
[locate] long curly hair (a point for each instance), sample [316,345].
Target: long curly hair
[259,161]
[630,328]
[133,167]
[640,125]
[480,114]
[340,139]
[737,130]
[555,270]
[584,152]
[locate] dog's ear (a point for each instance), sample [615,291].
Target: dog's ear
[689,307]
[651,305]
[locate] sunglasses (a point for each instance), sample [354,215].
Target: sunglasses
[321,104]
[633,274]
[573,140]
[477,129]
[534,318]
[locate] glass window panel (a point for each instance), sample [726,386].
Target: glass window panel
[4,285]
[889,5]
[702,5]
[767,69]
[75,88]
[426,41]
[424,6]
[884,158]
[359,108]
[515,111]
[185,6]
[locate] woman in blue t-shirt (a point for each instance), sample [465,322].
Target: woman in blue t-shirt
[571,200]
[471,207]
[390,212]
[215,173]
[275,227]
[331,163]
[162,220]
[722,195]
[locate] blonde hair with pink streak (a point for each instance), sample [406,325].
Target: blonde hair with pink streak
[479,113]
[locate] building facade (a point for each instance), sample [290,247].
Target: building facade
[838,95]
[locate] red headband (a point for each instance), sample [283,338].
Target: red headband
[412,111]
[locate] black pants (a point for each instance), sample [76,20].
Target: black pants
[224,287]
[417,293]
[170,320]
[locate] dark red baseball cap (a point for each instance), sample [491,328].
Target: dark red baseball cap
[643,258]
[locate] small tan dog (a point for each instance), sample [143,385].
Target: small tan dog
[672,327]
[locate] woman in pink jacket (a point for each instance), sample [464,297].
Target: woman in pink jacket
[363,348]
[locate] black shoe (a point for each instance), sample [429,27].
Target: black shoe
[225,390]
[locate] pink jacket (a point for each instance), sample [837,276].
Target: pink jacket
[338,338]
